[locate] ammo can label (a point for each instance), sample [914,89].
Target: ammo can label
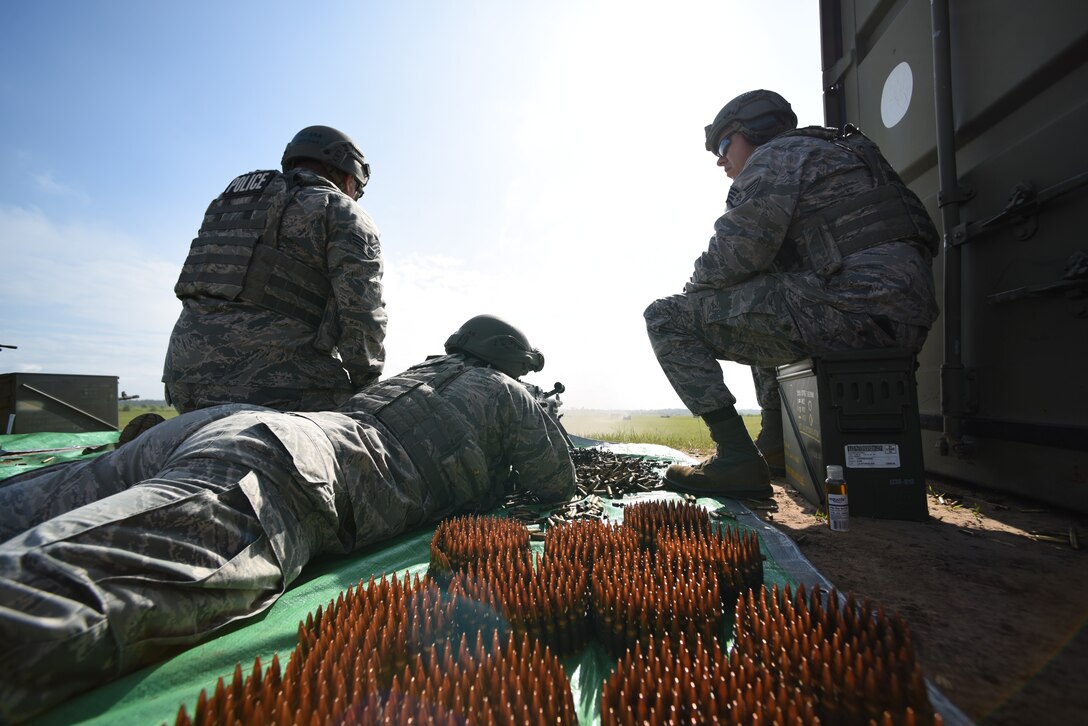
[872,456]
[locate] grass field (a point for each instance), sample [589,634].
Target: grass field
[682,432]
[128,411]
[678,431]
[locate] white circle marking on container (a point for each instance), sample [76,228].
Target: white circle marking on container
[895,99]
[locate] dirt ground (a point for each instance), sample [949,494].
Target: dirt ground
[995,594]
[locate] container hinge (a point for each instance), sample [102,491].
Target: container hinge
[955,196]
[962,447]
[958,236]
[959,394]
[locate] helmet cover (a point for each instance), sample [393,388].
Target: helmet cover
[498,343]
[329,146]
[759,115]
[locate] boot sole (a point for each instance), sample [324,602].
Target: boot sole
[137,426]
[765,492]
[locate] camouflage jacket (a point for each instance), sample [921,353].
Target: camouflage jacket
[378,479]
[797,177]
[223,342]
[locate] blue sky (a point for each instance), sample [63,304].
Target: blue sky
[539,161]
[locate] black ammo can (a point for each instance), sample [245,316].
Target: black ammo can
[858,409]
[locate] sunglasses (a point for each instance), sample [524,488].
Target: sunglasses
[723,145]
[360,183]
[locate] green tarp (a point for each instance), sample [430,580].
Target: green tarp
[154,694]
[25,452]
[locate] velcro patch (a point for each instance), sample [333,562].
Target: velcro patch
[245,185]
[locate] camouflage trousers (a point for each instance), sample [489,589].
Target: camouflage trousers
[759,323]
[186,397]
[123,560]
[30,499]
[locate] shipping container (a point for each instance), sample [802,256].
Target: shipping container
[982,106]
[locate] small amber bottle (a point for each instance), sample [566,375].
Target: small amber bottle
[838,508]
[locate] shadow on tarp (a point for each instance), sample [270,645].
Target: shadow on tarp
[154,694]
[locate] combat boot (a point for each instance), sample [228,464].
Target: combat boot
[770,443]
[137,426]
[736,469]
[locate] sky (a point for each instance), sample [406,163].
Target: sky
[543,162]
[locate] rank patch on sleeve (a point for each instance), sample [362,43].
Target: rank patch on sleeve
[252,183]
[741,193]
[368,246]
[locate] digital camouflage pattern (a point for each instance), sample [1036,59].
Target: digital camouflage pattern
[234,351]
[754,297]
[188,397]
[207,518]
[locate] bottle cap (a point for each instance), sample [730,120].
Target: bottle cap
[834,471]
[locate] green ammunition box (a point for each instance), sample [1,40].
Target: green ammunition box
[859,410]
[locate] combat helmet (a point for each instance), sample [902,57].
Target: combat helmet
[497,342]
[329,146]
[759,115]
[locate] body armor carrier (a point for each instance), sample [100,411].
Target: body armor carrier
[236,254]
[432,431]
[889,212]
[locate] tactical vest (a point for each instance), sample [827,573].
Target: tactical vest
[889,212]
[236,254]
[433,432]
